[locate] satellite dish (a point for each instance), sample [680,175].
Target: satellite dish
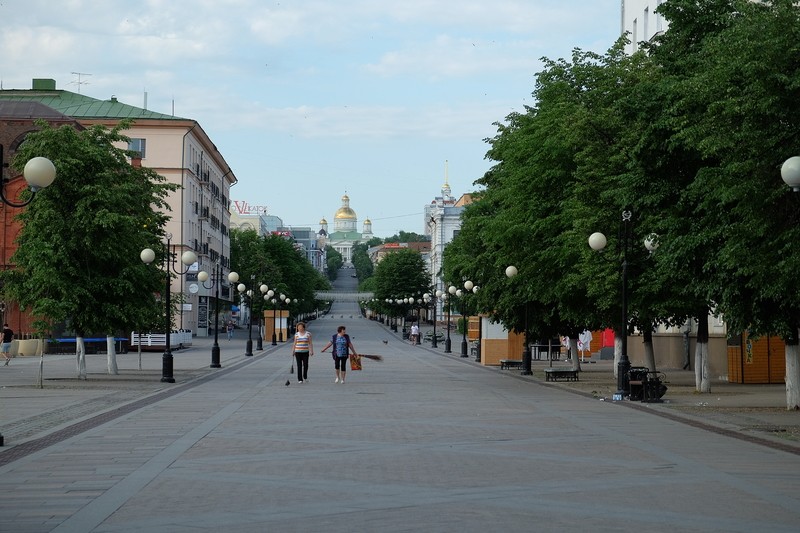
[193,288]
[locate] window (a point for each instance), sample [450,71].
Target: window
[138,145]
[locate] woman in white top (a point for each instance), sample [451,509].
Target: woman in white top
[303,347]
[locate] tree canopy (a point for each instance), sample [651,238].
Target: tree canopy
[399,276]
[274,261]
[77,259]
[687,135]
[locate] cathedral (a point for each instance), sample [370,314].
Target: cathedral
[345,234]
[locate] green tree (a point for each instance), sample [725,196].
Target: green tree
[334,261]
[77,259]
[400,275]
[407,236]
[736,83]
[361,262]
[274,261]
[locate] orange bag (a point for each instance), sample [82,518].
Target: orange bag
[355,362]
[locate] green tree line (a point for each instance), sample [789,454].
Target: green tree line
[687,135]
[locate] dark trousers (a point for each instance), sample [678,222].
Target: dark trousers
[302,365]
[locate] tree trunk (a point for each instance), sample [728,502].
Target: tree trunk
[111,355]
[139,333]
[687,330]
[701,371]
[40,379]
[573,348]
[80,352]
[649,352]
[792,378]
[576,362]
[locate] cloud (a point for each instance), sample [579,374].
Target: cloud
[448,57]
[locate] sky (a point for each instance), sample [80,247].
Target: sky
[308,100]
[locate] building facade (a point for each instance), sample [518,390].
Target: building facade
[442,222]
[181,151]
[640,20]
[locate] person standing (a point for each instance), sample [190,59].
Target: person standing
[230,328]
[302,349]
[8,336]
[341,346]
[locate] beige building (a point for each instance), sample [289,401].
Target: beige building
[181,151]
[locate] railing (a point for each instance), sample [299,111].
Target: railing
[178,339]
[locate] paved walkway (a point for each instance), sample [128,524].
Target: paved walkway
[419,442]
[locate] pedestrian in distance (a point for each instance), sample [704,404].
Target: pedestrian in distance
[341,347]
[303,348]
[8,336]
[414,334]
[230,328]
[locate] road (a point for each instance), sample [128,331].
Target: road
[418,442]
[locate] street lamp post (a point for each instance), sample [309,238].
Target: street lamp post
[790,173]
[39,172]
[468,286]
[188,258]
[597,242]
[437,296]
[248,352]
[452,291]
[288,302]
[512,271]
[281,299]
[216,281]
[269,296]
[260,345]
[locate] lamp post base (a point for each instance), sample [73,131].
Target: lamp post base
[215,356]
[259,343]
[166,367]
[464,348]
[447,345]
[249,348]
[623,380]
[526,362]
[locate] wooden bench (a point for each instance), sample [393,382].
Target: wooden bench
[510,363]
[557,374]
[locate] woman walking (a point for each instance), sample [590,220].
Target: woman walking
[302,349]
[8,336]
[341,345]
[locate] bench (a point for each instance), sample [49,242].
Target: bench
[510,363]
[557,374]
[646,385]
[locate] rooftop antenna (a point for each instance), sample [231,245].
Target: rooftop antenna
[80,81]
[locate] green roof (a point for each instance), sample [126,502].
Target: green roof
[344,236]
[79,106]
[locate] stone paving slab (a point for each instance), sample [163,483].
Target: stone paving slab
[419,442]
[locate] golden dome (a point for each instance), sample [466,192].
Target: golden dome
[323,221]
[344,213]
